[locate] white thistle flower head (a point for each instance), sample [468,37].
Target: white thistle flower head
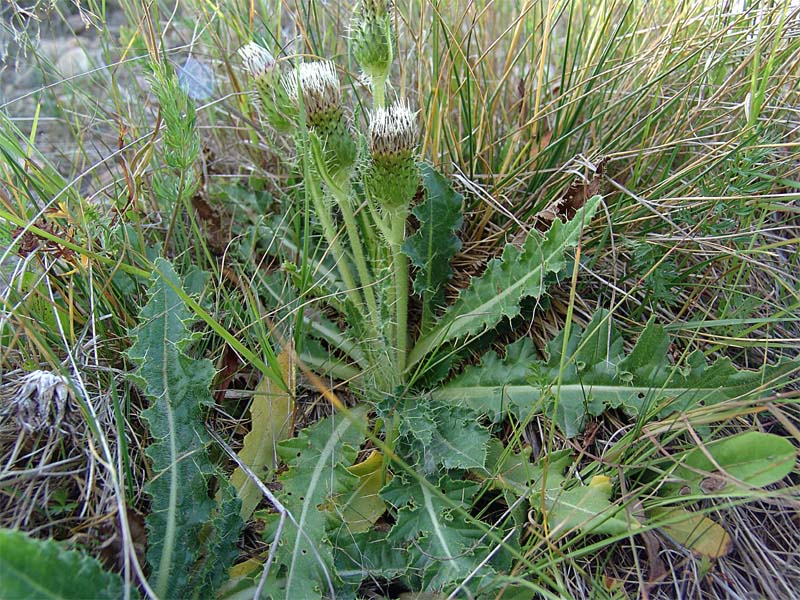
[392,175]
[393,130]
[319,85]
[257,60]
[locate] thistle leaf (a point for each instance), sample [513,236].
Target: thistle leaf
[443,435]
[591,373]
[181,533]
[446,546]
[518,274]
[497,384]
[31,568]
[271,413]
[317,459]
[435,242]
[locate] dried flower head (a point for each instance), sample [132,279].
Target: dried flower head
[392,174]
[41,401]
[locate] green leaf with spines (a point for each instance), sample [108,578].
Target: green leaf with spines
[31,568]
[444,546]
[317,459]
[442,435]
[191,540]
[496,385]
[595,374]
[370,555]
[518,274]
[435,243]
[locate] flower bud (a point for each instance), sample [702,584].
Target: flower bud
[318,84]
[392,175]
[279,109]
[372,40]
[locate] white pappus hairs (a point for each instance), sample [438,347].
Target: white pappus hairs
[257,59]
[318,83]
[393,130]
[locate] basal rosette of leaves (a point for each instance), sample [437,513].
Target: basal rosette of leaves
[393,489]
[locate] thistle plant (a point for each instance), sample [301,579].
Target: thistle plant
[372,44]
[391,179]
[368,180]
[279,109]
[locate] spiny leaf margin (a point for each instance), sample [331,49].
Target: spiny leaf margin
[181,532]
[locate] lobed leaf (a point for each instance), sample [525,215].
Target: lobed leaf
[181,529]
[589,373]
[445,546]
[316,474]
[518,274]
[435,243]
[442,435]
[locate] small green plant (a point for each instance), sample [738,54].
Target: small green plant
[437,362]
[360,185]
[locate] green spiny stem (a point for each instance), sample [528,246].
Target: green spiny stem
[331,235]
[400,266]
[342,197]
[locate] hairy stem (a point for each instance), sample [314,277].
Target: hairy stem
[331,236]
[400,266]
[342,196]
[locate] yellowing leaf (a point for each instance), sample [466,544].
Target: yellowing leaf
[693,531]
[270,416]
[587,508]
[363,506]
[245,568]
